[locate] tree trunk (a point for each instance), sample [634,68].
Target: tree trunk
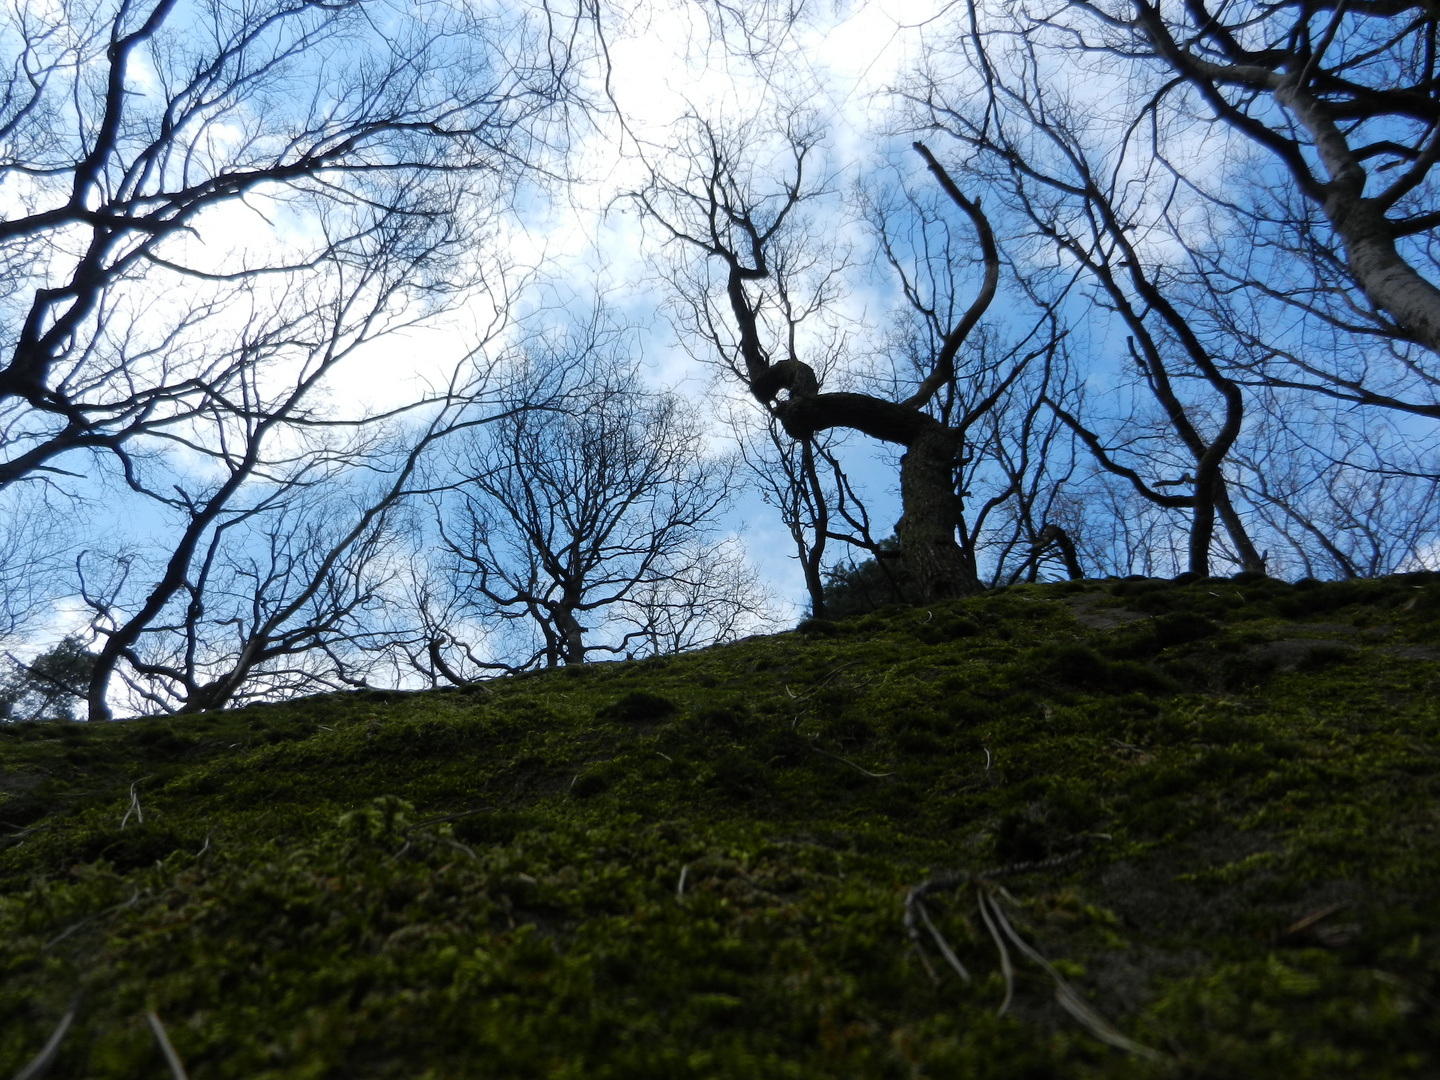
[1054,534]
[1390,283]
[930,508]
[1251,561]
[1202,529]
[930,515]
[812,560]
[572,634]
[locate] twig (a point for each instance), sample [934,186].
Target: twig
[821,684]
[448,842]
[847,761]
[842,667]
[925,962]
[22,833]
[1001,931]
[941,943]
[1006,967]
[89,919]
[1069,999]
[1312,920]
[960,878]
[134,805]
[177,1070]
[40,1063]
[450,817]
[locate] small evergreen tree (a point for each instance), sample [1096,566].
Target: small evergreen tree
[49,686]
[859,588]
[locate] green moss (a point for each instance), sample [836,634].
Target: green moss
[636,706]
[696,867]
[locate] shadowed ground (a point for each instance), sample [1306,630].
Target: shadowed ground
[1203,820]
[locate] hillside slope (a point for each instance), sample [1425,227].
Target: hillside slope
[1203,820]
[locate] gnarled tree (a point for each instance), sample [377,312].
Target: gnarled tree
[1099,194]
[716,206]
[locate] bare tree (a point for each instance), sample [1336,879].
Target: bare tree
[1339,94]
[1343,492]
[136,135]
[1316,128]
[288,584]
[1033,450]
[714,594]
[34,537]
[589,509]
[994,401]
[270,465]
[720,206]
[786,473]
[217,205]
[1108,213]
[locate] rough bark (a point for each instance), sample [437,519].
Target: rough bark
[930,515]
[930,507]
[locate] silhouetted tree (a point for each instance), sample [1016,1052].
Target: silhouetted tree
[716,202]
[1103,209]
[49,686]
[211,207]
[589,508]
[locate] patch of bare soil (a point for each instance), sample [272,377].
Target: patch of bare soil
[1089,612]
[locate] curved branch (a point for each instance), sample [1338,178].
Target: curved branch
[944,369]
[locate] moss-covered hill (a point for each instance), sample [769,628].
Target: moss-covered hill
[1204,820]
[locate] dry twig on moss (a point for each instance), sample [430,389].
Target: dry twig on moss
[451,817]
[941,944]
[1006,967]
[91,918]
[847,761]
[172,1059]
[134,807]
[22,833]
[1002,932]
[1068,997]
[40,1063]
[458,846]
[821,684]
